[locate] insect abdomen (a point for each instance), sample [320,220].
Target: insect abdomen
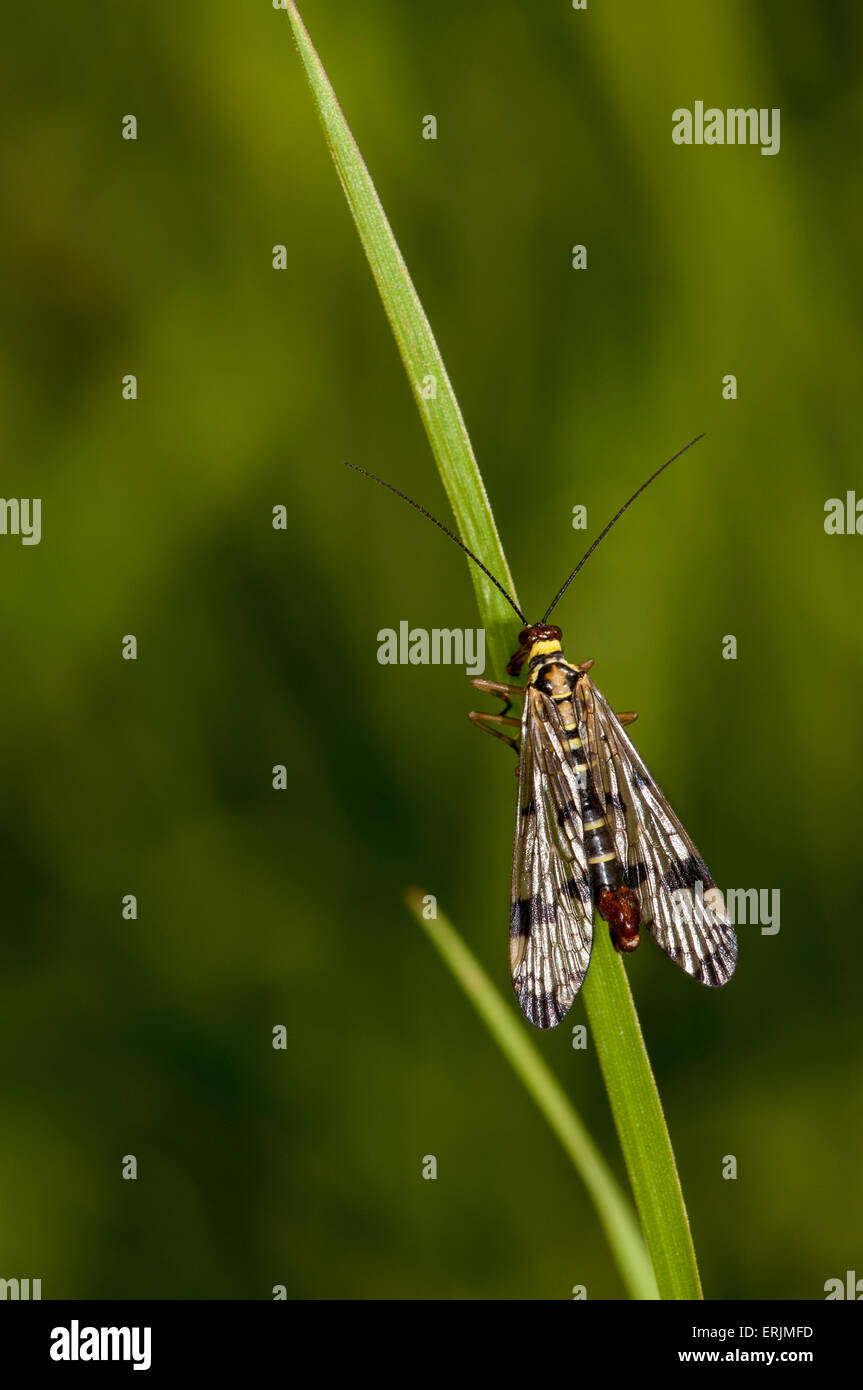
[602,860]
[617,904]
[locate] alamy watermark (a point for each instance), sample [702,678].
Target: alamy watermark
[754,907]
[735,126]
[20,1289]
[440,646]
[77,1343]
[844,515]
[21,516]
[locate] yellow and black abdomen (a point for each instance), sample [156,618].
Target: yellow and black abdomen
[557,679]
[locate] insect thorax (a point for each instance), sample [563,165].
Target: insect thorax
[543,654]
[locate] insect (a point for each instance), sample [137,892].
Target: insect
[593,829]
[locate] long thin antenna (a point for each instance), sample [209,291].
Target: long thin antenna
[446,531]
[615,518]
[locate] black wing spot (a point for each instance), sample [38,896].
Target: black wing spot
[566,810]
[531,808]
[685,873]
[716,970]
[637,873]
[527,913]
[578,888]
[542,1010]
[615,803]
[641,782]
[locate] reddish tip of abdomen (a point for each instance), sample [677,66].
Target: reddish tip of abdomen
[620,908]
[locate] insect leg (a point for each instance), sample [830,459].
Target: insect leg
[485,721]
[503,692]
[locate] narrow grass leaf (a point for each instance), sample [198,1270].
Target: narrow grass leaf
[639,1119]
[614,1210]
[439,411]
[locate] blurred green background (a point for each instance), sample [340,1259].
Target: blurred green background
[256,647]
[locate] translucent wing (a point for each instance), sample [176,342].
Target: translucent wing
[551,917]
[680,903]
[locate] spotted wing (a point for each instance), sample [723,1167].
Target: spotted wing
[551,917]
[680,903]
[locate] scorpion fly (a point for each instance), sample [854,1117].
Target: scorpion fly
[593,830]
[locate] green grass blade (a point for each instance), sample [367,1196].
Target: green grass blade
[440,415]
[614,1023]
[640,1122]
[509,1032]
